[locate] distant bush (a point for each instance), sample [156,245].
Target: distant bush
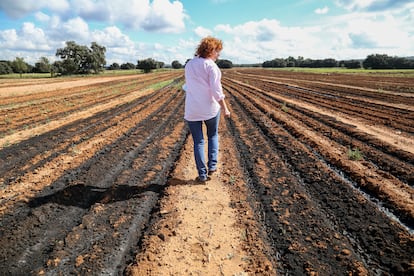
[351,64]
[5,68]
[224,63]
[375,61]
[128,66]
[176,64]
[383,61]
[147,65]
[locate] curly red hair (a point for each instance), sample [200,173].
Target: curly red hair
[208,45]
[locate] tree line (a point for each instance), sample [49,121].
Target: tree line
[374,61]
[80,59]
[77,59]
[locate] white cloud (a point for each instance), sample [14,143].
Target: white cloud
[111,37]
[165,17]
[28,38]
[128,13]
[42,17]
[58,6]
[373,5]
[354,4]
[34,38]
[358,33]
[202,32]
[368,33]
[255,41]
[75,29]
[153,16]
[323,10]
[8,39]
[354,35]
[20,8]
[93,10]
[54,22]
[263,30]
[226,28]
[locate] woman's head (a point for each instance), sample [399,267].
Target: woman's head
[209,47]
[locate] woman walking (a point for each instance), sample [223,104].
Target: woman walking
[203,103]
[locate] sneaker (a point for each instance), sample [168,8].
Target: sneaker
[212,171]
[202,179]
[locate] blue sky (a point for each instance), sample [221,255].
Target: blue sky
[252,30]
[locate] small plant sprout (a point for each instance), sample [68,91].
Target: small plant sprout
[7,120]
[354,154]
[243,235]
[284,107]
[75,150]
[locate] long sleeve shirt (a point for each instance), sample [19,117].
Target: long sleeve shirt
[203,89]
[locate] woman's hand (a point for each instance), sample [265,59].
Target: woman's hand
[226,112]
[224,107]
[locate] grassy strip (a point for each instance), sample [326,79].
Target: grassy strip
[26,76]
[161,84]
[391,72]
[104,73]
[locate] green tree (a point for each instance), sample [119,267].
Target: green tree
[176,64]
[97,60]
[403,63]
[377,61]
[128,66]
[73,58]
[352,64]
[329,62]
[147,65]
[5,67]
[383,61]
[224,63]
[114,66]
[19,66]
[42,66]
[290,61]
[79,59]
[276,63]
[56,68]
[299,61]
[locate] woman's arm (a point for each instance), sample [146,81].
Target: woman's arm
[223,105]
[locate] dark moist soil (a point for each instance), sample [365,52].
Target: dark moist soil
[80,199]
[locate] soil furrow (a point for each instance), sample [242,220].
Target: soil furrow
[395,195]
[287,209]
[372,83]
[395,117]
[125,209]
[65,139]
[393,162]
[389,158]
[91,188]
[108,188]
[342,204]
[57,107]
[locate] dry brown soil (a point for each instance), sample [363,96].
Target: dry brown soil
[97,177]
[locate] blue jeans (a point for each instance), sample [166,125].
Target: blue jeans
[196,129]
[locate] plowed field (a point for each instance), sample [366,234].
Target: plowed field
[316,177]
